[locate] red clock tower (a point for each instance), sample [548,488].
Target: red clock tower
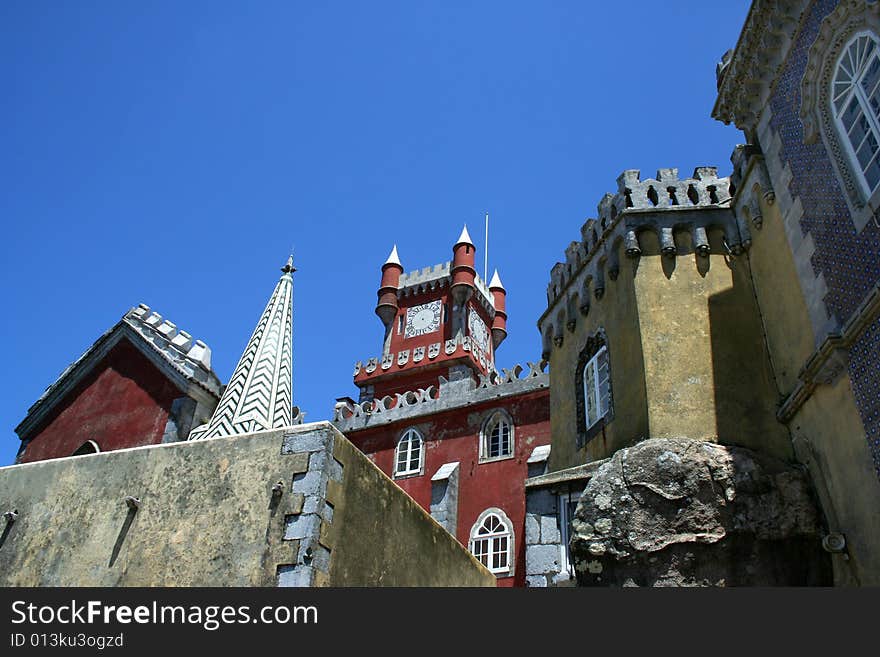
[434,413]
[439,321]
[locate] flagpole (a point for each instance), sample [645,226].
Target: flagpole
[486,254]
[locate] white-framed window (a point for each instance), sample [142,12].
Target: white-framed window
[492,541]
[567,504]
[409,455]
[855,105]
[496,437]
[597,387]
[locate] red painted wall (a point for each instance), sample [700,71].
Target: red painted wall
[454,436]
[123,402]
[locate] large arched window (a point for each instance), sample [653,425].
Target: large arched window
[409,453]
[839,103]
[855,99]
[492,541]
[496,437]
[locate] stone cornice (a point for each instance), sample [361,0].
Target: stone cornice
[829,361]
[746,79]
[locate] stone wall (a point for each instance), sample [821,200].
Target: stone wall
[295,506]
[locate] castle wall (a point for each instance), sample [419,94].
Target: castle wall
[124,401]
[616,312]
[207,516]
[707,372]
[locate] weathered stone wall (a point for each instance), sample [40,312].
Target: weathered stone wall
[682,512]
[294,506]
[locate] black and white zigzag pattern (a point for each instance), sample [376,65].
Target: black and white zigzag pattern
[260,393]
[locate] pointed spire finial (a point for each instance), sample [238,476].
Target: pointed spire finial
[496,281]
[464,238]
[393,258]
[289,268]
[259,394]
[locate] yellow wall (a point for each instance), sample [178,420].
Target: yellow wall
[617,313]
[708,375]
[827,431]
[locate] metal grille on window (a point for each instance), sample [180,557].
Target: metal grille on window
[855,96]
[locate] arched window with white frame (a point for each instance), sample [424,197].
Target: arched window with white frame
[409,455]
[491,541]
[496,437]
[855,105]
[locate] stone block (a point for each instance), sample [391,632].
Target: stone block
[550,530]
[533,529]
[542,559]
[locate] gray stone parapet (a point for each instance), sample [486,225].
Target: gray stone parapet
[666,206]
[191,356]
[454,393]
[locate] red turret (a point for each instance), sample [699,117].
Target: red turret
[387,307]
[499,297]
[463,272]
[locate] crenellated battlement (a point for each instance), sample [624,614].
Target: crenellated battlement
[665,215]
[192,356]
[349,415]
[439,276]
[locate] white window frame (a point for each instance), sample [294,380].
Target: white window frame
[491,539]
[602,401]
[494,420]
[406,442]
[566,515]
[855,90]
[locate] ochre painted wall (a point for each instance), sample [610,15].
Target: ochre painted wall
[827,431]
[707,370]
[617,313]
[123,402]
[454,436]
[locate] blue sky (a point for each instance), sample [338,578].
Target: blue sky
[171,153]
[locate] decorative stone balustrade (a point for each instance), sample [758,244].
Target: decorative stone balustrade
[351,416]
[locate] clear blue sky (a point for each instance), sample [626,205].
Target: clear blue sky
[171,153]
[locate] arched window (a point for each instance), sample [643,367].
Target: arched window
[408,455]
[496,437]
[88,447]
[593,389]
[492,541]
[855,99]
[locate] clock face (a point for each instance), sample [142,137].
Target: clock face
[423,319]
[478,331]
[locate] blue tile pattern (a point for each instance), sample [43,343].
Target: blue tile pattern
[850,262]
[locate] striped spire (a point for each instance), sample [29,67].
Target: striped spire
[259,394]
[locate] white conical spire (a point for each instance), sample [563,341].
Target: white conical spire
[259,394]
[464,238]
[393,258]
[496,281]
